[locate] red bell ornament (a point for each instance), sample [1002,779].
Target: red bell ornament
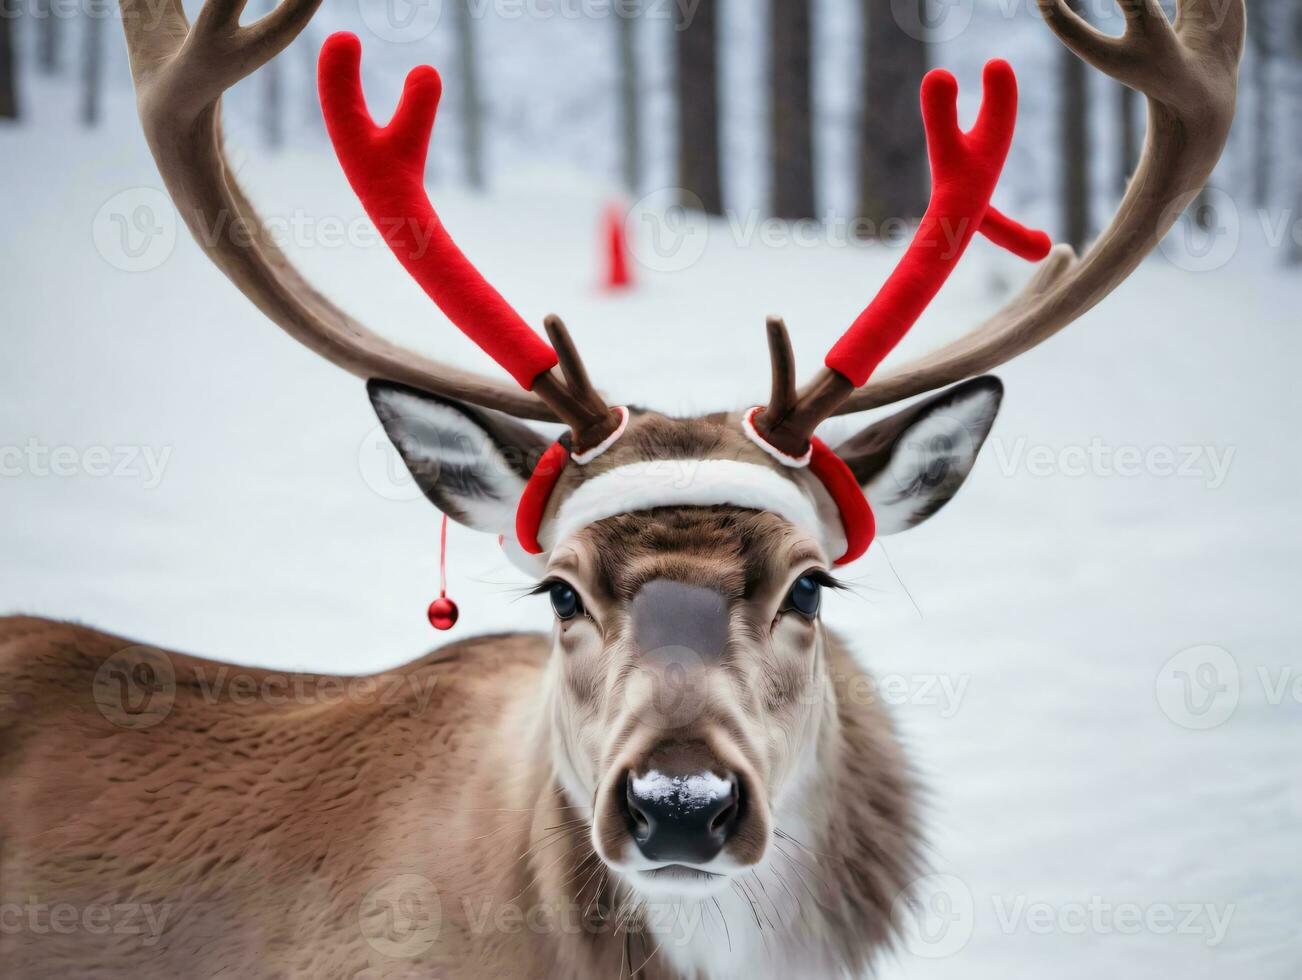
[443,611]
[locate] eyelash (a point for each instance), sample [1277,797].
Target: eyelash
[825,579]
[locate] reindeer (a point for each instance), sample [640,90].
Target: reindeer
[678,781]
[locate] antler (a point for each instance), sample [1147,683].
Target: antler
[180,72]
[386,168]
[1189,72]
[965,168]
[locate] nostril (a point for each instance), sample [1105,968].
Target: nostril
[729,813]
[639,823]
[723,818]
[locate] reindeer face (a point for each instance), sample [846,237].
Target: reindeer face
[691,686]
[686,571]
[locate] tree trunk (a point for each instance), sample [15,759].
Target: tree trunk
[1259,27]
[472,107]
[273,98]
[630,117]
[696,48]
[1075,148]
[892,143]
[1294,250]
[792,109]
[92,66]
[311,106]
[48,35]
[8,70]
[1128,144]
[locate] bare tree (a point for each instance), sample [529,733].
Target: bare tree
[308,47]
[1075,146]
[892,144]
[1294,256]
[48,35]
[696,49]
[92,64]
[8,70]
[1259,36]
[272,110]
[472,106]
[630,117]
[792,109]
[1128,136]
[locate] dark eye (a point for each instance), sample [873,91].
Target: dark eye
[565,601]
[805,595]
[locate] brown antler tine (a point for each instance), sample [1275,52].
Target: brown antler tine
[578,403]
[571,364]
[782,395]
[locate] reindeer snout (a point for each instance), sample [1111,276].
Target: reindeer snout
[682,817]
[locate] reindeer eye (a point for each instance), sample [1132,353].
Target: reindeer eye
[565,601]
[805,595]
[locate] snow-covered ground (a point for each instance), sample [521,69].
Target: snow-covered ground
[1096,651]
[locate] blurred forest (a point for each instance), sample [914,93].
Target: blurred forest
[667,103]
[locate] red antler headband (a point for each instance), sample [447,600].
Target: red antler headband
[965,168]
[386,167]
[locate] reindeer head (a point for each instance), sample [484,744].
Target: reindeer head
[689,683]
[684,558]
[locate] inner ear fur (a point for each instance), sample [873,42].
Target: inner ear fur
[868,452]
[471,491]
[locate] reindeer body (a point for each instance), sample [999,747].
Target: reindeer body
[262,840]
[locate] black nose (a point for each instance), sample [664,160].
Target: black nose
[683,817]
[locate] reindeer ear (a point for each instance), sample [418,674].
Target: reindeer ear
[473,463]
[912,463]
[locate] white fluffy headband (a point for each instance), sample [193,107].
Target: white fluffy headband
[683,483]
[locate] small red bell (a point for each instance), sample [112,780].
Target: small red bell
[443,613]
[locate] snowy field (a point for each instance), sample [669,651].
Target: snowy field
[1096,650]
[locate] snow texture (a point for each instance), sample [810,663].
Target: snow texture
[685,792]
